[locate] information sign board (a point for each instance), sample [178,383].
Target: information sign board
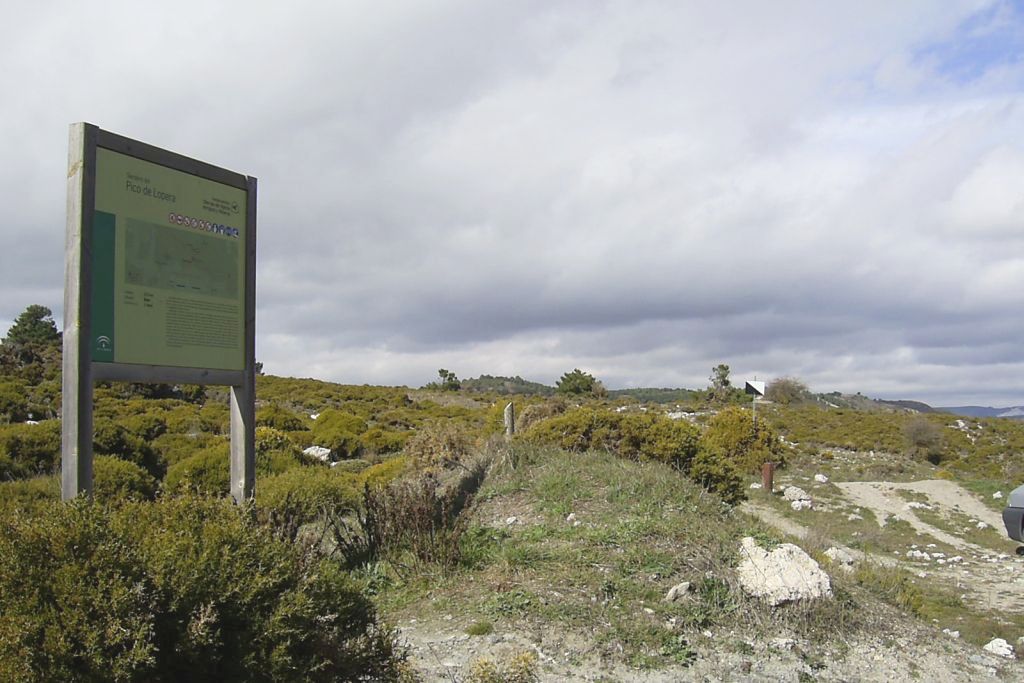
[168,263]
[160,286]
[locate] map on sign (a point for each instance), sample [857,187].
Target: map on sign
[180,260]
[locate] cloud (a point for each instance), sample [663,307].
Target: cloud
[641,189]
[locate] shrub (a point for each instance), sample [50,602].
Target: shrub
[732,434]
[384,473]
[381,441]
[413,522]
[179,589]
[718,474]
[13,402]
[340,420]
[643,436]
[173,448]
[299,495]
[638,436]
[787,390]
[27,450]
[340,432]
[110,438]
[535,412]
[146,426]
[280,418]
[77,603]
[118,480]
[923,439]
[655,437]
[27,496]
[517,667]
[207,472]
[354,466]
[438,444]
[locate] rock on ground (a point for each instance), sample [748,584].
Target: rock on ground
[786,574]
[318,452]
[998,646]
[795,493]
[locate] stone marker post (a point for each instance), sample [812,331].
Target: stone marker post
[510,420]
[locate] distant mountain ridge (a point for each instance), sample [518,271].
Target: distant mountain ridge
[1013,412]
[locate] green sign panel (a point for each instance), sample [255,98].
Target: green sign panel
[168,267]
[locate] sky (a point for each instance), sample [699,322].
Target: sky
[830,191]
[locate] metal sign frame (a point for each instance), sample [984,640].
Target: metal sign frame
[80,371]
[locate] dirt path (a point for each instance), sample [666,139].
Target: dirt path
[988,578]
[883,499]
[788,526]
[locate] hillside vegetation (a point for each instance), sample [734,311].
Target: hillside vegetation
[414,515]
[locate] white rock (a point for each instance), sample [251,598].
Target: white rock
[914,505]
[511,520]
[981,525]
[571,518]
[918,555]
[840,557]
[786,574]
[318,452]
[801,505]
[821,478]
[313,416]
[678,591]
[853,517]
[756,486]
[795,493]
[998,646]
[997,495]
[951,634]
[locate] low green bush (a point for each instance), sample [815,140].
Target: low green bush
[177,589]
[110,438]
[14,405]
[299,495]
[27,450]
[26,496]
[279,418]
[116,480]
[380,441]
[439,444]
[631,435]
[385,472]
[733,435]
[207,472]
[643,436]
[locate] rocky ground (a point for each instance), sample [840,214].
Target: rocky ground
[900,648]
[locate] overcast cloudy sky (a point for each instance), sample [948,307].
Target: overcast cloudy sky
[827,190]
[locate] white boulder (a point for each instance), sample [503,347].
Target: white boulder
[795,493]
[821,478]
[998,646]
[841,557]
[678,591]
[318,452]
[786,574]
[801,505]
